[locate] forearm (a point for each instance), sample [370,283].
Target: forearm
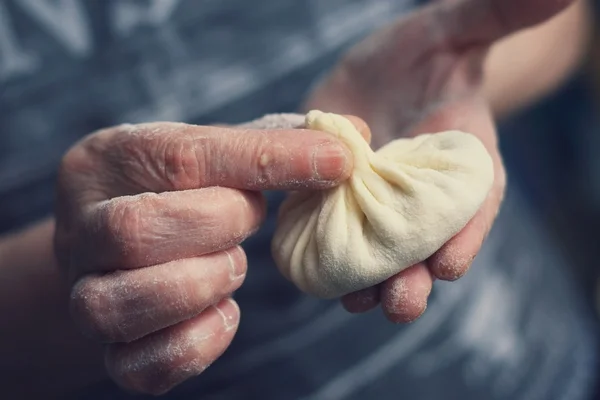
[530,64]
[39,344]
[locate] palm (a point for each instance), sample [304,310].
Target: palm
[424,74]
[394,81]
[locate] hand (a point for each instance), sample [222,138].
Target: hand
[149,222]
[423,74]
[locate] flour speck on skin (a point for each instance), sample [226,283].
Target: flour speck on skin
[452,262]
[176,353]
[405,302]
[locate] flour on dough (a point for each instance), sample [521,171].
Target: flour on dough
[400,205]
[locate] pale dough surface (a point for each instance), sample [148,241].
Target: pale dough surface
[401,204]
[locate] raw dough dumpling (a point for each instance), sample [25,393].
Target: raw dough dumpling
[401,204]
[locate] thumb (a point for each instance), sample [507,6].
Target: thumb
[469,22]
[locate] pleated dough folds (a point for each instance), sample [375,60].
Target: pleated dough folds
[401,204]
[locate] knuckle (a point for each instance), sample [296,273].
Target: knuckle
[198,292]
[184,161]
[184,165]
[126,146]
[123,224]
[151,155]
[129,154]
[92,311]
[148,155]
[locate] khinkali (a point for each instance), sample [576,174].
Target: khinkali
[400,205]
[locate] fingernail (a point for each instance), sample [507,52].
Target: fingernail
[229,312]
[330,161]
[237,262]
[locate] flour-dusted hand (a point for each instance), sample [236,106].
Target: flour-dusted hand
[400,205]
[149,222]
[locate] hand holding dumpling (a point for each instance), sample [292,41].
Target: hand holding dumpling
[401,204]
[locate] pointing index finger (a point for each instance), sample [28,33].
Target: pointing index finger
[160,157]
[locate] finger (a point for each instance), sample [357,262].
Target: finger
[476,22]
[361,126]
[147,229]
[160,157]
[362,300]
[453,260]
[404,296]
[366,299]
[126,305]
[158,362]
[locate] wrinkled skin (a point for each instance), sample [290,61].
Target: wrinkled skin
[424,74]
[150,217]
[149,222]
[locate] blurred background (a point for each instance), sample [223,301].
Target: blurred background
[552,152]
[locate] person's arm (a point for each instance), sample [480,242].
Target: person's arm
[526,66]
[38,341]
